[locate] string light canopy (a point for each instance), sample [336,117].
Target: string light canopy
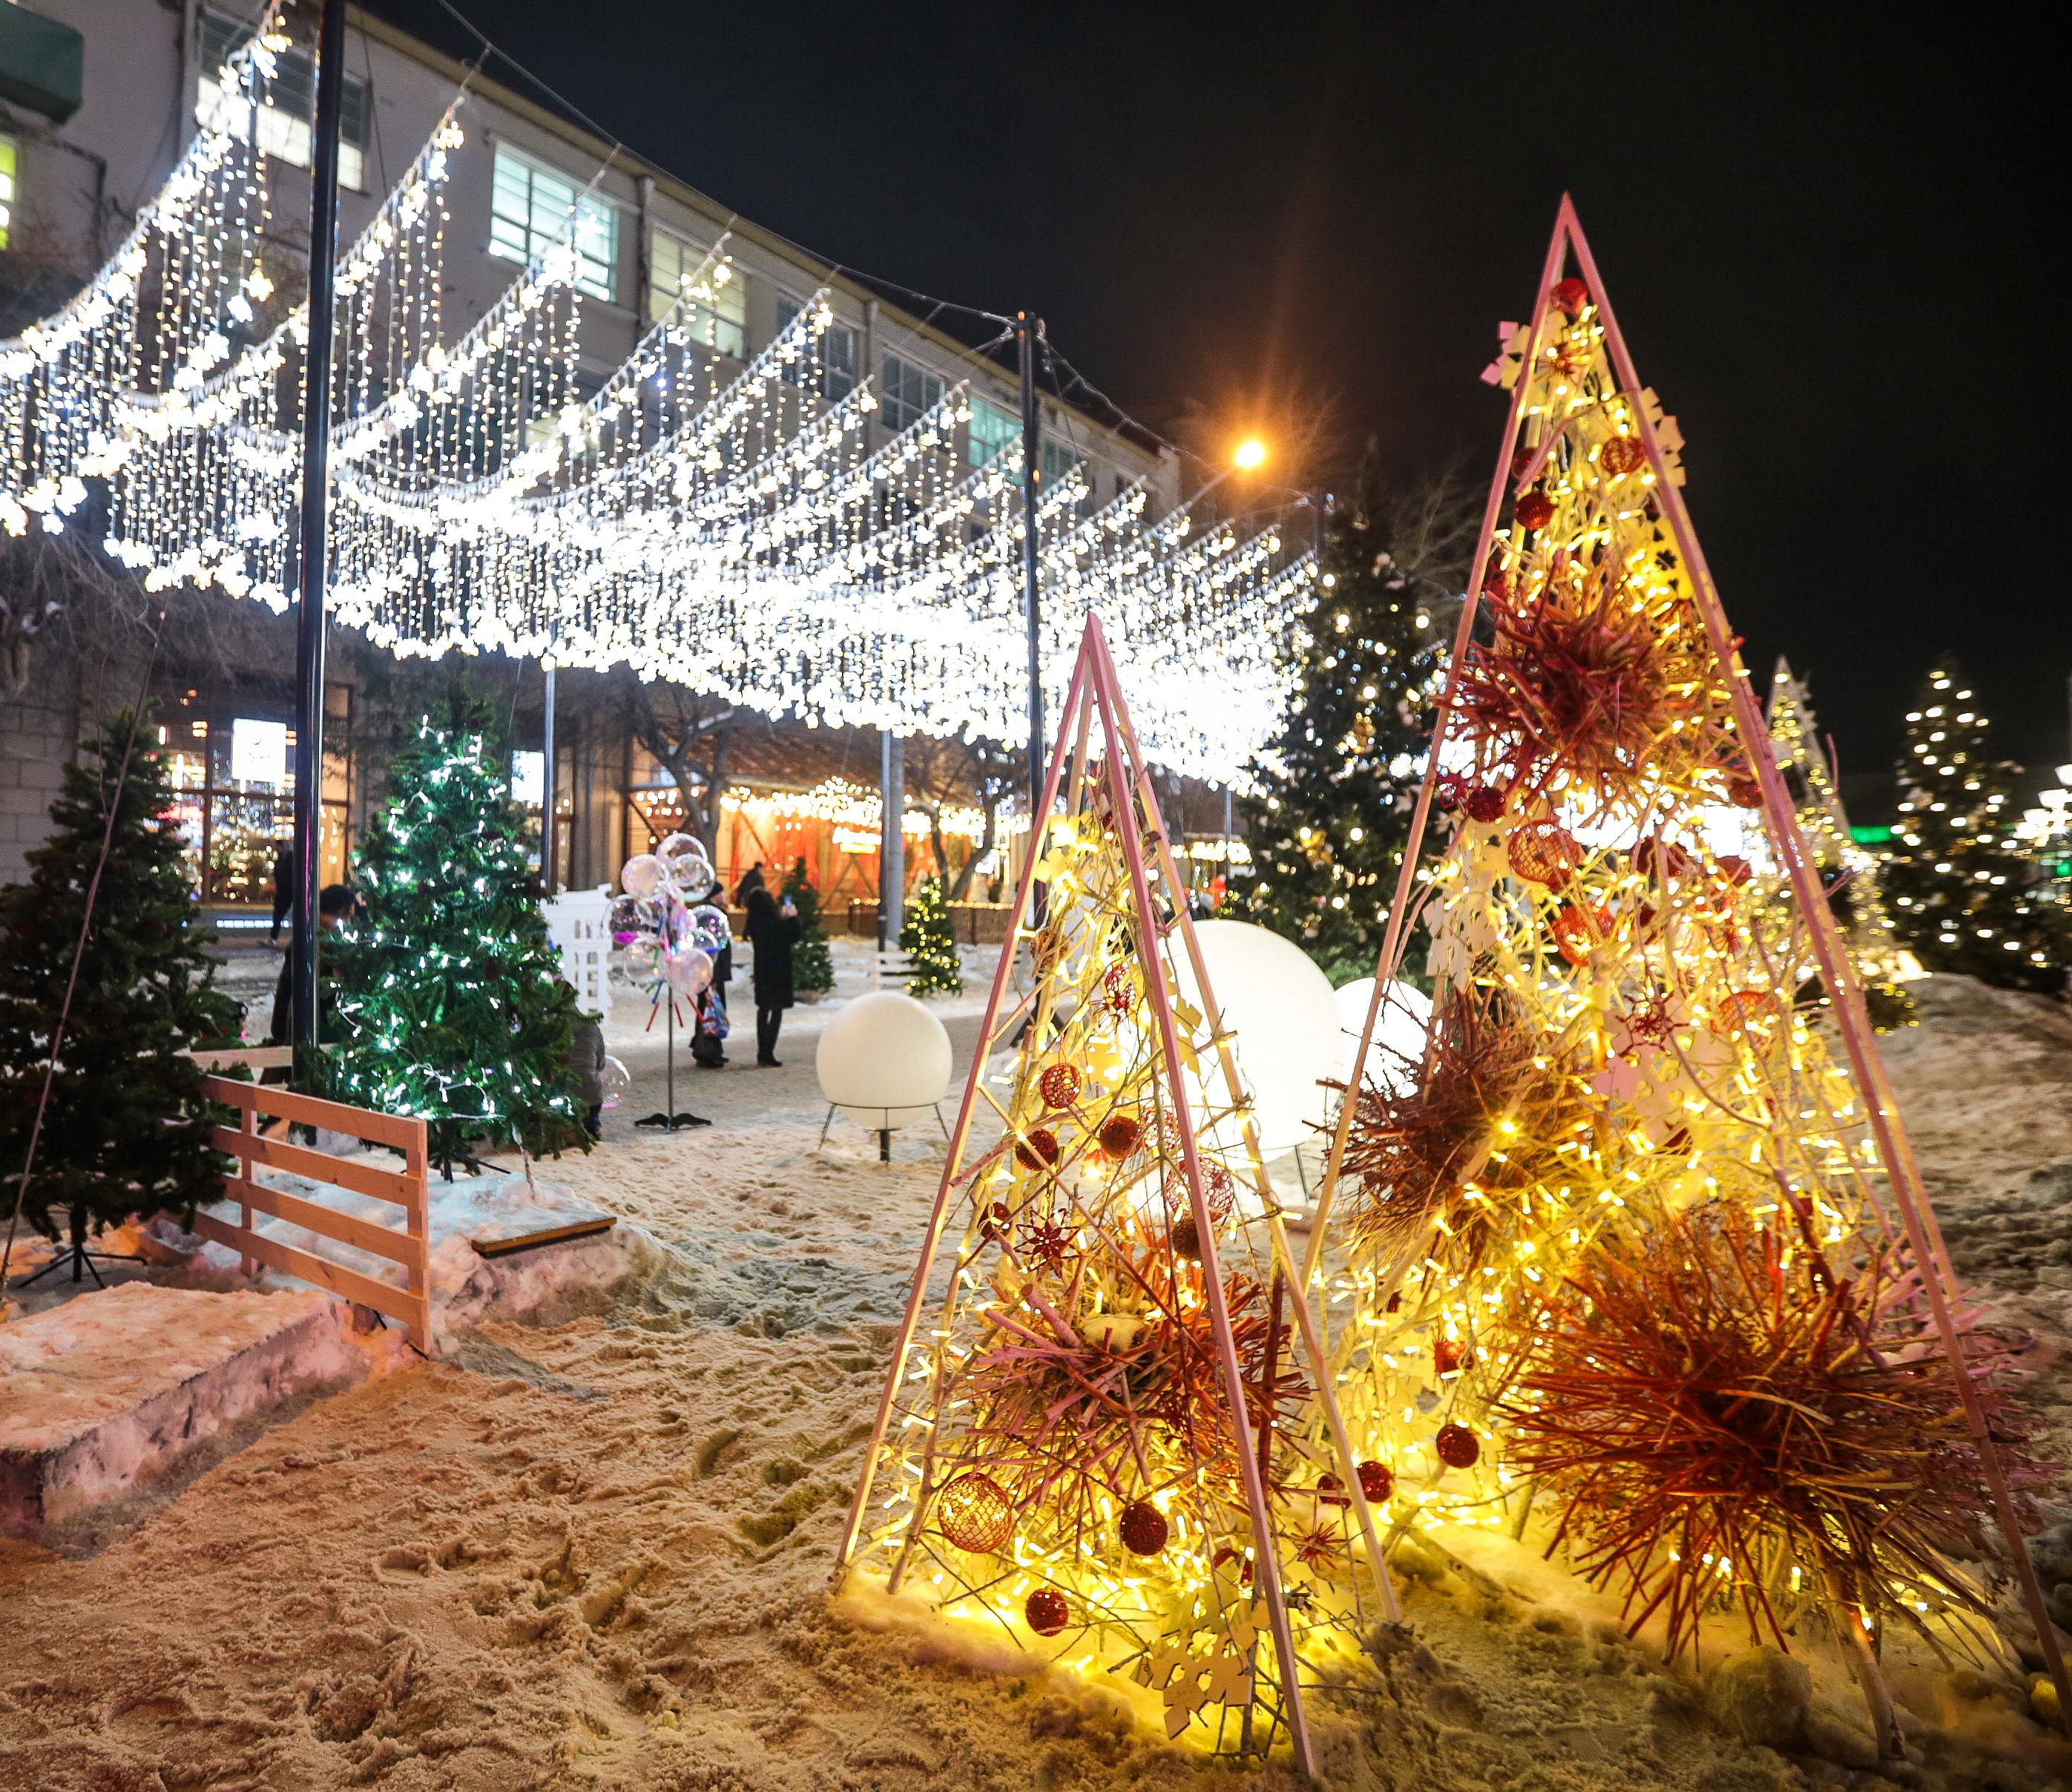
[732,529]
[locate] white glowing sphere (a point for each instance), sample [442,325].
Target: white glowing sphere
[884,1060]
[1398,1031]
[641,877]
[1279,1006]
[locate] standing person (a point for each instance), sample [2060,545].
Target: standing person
[284,889]
[752,881]
[773,931]
[585,1062]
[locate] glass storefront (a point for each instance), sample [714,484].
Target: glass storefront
[230,758]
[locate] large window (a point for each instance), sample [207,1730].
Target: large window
[1060,462]
[284,121]
[994,429]
[906,393]
[721,325]
[529,209]
[11,174]
[838,354]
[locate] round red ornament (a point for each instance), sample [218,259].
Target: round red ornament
[1578,929]
[1143,1528]
[1038,1147]
[1744,793]
[1543,852]
[1449,1357]
[1120,1134]
[1047,1611]
[1458,1447]
[1649,853]
[974,1512]
[1119,988]
[1220,1187]
[1059,1086]
[1484,803]
[1571,294]
[1534,510]
[1734,869]
[1745,1009]
[1332,1491]
[1448,793]
[1377,1481]
[1496,582]
[1186,1238]
[1622,454]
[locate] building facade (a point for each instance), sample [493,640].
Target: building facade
[98,97]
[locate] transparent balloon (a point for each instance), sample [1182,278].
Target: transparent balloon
[630,917]
[615,1079]
[642,876]
[644,958]
[710,931]
[686,863]
[688,971]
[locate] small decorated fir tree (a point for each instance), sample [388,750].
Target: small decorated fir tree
[1339,784]
[930,944]
[121,1133]
[1959,882]
[813,961]
[451,1004]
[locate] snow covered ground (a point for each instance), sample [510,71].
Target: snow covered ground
[594,1553]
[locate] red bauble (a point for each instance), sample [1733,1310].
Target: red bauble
[1747,1008]
[1543,852]
[1119,988]
[1447,1357]
[1534,510]
[1119,1136]
[1059,1086]
[1219,1188]
[1622,454]
[1458,1447]
[1332,1491]
[1377,1481]
[1448,793]
[1734,869]
[1496,582]
[1570,295]
[1649,853]
[1143,1528]
[1046,1611]
[1038,1148]
[1484,803]
[1744,793]
[974,1512]
[1578,929]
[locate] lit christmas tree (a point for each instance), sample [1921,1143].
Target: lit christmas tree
[1849,874]
[1338,786]
[450,1002]
[119,1134]
[1960,882]
[930,945]
[812,963]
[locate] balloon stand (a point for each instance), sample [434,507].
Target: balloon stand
[668,1119]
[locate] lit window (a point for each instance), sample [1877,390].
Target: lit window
[906,393]
[838,354]
[1060,463]
[289,103]
[719,323]
[994,429]
[530,209]
[11,167]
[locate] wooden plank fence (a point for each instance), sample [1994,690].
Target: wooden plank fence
[408,1245]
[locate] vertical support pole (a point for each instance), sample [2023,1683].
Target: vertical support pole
[892,842]
[547,787]
[1026,330]
[313,567]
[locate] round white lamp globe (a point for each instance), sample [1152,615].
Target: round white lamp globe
[883,1059]
[1398,1031]
[1280,1006]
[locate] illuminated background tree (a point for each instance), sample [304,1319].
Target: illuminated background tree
[1327,830]
[1961,884]
[813,961]
[118,1135]
[931,944]
[450,1002]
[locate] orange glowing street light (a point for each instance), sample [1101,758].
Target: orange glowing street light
[1251,455]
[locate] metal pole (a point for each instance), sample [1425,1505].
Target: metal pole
[312,568]
[1026,330]
[892,856]
[547,788]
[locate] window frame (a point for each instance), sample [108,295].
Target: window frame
[837,378]
[533,239]
[989,408]
[896,410]
[280,121]
[722,327]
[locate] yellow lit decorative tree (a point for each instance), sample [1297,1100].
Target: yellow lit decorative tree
[1114,1445]
[1613,1256]
[1848,872]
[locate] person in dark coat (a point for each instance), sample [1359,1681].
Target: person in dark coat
[585,1062]
[335,904]
[752,880]
[284,889]
[773,931]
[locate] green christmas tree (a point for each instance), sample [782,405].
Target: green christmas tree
[1960,885]
[123,1131]
[1337,787]
[450,1001]
[812,959]
[930,945]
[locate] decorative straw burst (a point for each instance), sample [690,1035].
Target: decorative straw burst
[1725,1418]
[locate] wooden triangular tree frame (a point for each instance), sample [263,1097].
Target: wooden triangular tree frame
[1792,854]
[1123,943]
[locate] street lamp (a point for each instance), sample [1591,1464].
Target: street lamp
[1249,456]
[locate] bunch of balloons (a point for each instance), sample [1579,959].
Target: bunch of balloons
[666,922]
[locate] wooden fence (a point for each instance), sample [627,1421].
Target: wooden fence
[408,1245]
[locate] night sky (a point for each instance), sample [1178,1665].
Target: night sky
[1823,231]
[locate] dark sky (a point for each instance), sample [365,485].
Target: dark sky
[1823,229]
